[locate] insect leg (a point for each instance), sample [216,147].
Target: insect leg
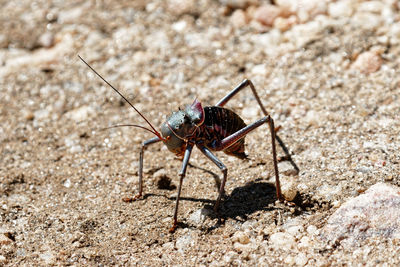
[221,166]
[230,140]
[236,90]
[182,174]
[144,145]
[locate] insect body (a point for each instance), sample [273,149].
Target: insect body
[210,129]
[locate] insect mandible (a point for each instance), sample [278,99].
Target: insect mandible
[212,128]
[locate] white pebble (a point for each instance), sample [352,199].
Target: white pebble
[199,216]
[301,259]
[241,237]
[238,18]
[250,112]
[312,229]
[230,256]
[69,15]
[295,230]
[80,114]
[179,26]
[260,69]
[46,39]
[184,242]
[67,183]
[180,7]
[305,242]
[340,9]
[368,62]
[371,6]
[282,241]
[266,14]
[47,257]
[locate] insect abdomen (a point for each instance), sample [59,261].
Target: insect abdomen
[220,123]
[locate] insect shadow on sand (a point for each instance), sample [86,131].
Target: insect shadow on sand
[238,205]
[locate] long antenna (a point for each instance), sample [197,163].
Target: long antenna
[154,131]
[128,125]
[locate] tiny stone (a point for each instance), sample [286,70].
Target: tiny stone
[266,14]
[199,216]
[241,237]
[260,69]
[230,256]
[238,4]
[184,242]
[305,242]
[301,259]
[47,257]
[3,259]
[80,114]
[67,183]
[368,62]
[289,189]
[282,241]
[295,230]
[238,18]
[28,115]
[180,7]
[311,229]
[46,40]
[250,112]
[340,9]
[286,168]
[4,240]
[160,173]
[289,260]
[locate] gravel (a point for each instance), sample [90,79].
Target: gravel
[326,71]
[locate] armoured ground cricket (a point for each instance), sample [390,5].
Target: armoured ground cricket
[212,128]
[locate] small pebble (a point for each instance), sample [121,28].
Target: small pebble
[282,241]
[199,216]
[184,242]
[47,257]
[238,18]
[241,237]
[289,189]
[266,14]
[80,114]
[301,259]
[340,9]
[3,259]
[230,256]
[28,115]
[368,62]
[46,40]
[4,240]
[180,7]
[312,229]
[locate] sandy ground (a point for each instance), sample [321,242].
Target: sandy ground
[62,178]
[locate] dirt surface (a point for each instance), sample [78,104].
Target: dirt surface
[62,178]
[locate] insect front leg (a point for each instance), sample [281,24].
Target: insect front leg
[144,145]
[221,166]
[182,174]
[230,140]
[236,90]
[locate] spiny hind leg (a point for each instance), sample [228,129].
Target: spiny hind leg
[228,141]
[245,83]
